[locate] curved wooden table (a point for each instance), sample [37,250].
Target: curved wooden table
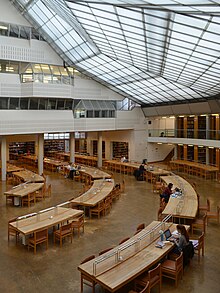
[99,191]
[113,274]
[186,206]
[28,176]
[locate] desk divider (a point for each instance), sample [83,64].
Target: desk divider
[128,249]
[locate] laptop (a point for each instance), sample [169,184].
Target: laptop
[168,235]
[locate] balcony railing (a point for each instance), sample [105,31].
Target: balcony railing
[185,133]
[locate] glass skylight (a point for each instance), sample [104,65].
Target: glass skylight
[153,52]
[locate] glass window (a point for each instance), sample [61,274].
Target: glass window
[69,104]
[25,32]
[33,104]
[14,31]
[24,103]
[89,114]
[60,104]
[42,104]
[4,103]
[104,113]
[51,104]
[14,103]
[96,114]
[112,114]
[4,29]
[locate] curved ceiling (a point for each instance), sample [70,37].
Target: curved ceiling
[154,52]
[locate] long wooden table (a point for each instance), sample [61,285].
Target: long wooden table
[193,168]
[112,274]
[99,191]
[26,175]
[23,190]
[43,220]
[129,168]
[94,173]
[184,206]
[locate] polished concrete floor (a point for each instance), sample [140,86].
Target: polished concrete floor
[55,269]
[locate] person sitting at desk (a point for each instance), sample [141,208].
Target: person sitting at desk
[72,170]
[165,196]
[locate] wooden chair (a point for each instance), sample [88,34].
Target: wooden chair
[199,224]
[199,246]
[40,194]
[85,279]
[108,203]
[78,224]
[48,191]
[206,207]
[105,250]
[123,240]
[38,238]
[213,215]
[144,290]
[153,277]
[98,210]
[158,186]
[63,232]
[28,199]
[140,226]
[13,231]
[173,268]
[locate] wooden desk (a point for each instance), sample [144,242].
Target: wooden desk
[12,168]
[27,175]
[193,168]
[23,190]
[45,219]
[185,206]
[52,165]
[129,168]
[94,173]
[113,275]
[99,191]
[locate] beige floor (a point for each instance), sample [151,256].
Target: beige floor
[55,269]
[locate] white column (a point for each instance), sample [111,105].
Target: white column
[99,149]
[3,157]
[207,156]
[207,127]
[40,153]
[175,152]
[72,147]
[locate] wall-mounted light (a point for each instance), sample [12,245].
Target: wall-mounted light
[181,116]
[201,146]
[211,147]
[159,143]
[190,145]
[180,144]
[172,117]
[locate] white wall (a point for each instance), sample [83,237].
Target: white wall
[157,153]
[9,14]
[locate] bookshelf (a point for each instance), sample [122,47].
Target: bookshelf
[95,148]
[20,148]
[119,149]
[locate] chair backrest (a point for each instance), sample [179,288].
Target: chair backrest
[140,226]
[154,275]
[105,250]
[66,227]
[145,289]
[208,205]
[218,210]
[40,234]
[179,262]
[87,259]
[123,240]
[201,240]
